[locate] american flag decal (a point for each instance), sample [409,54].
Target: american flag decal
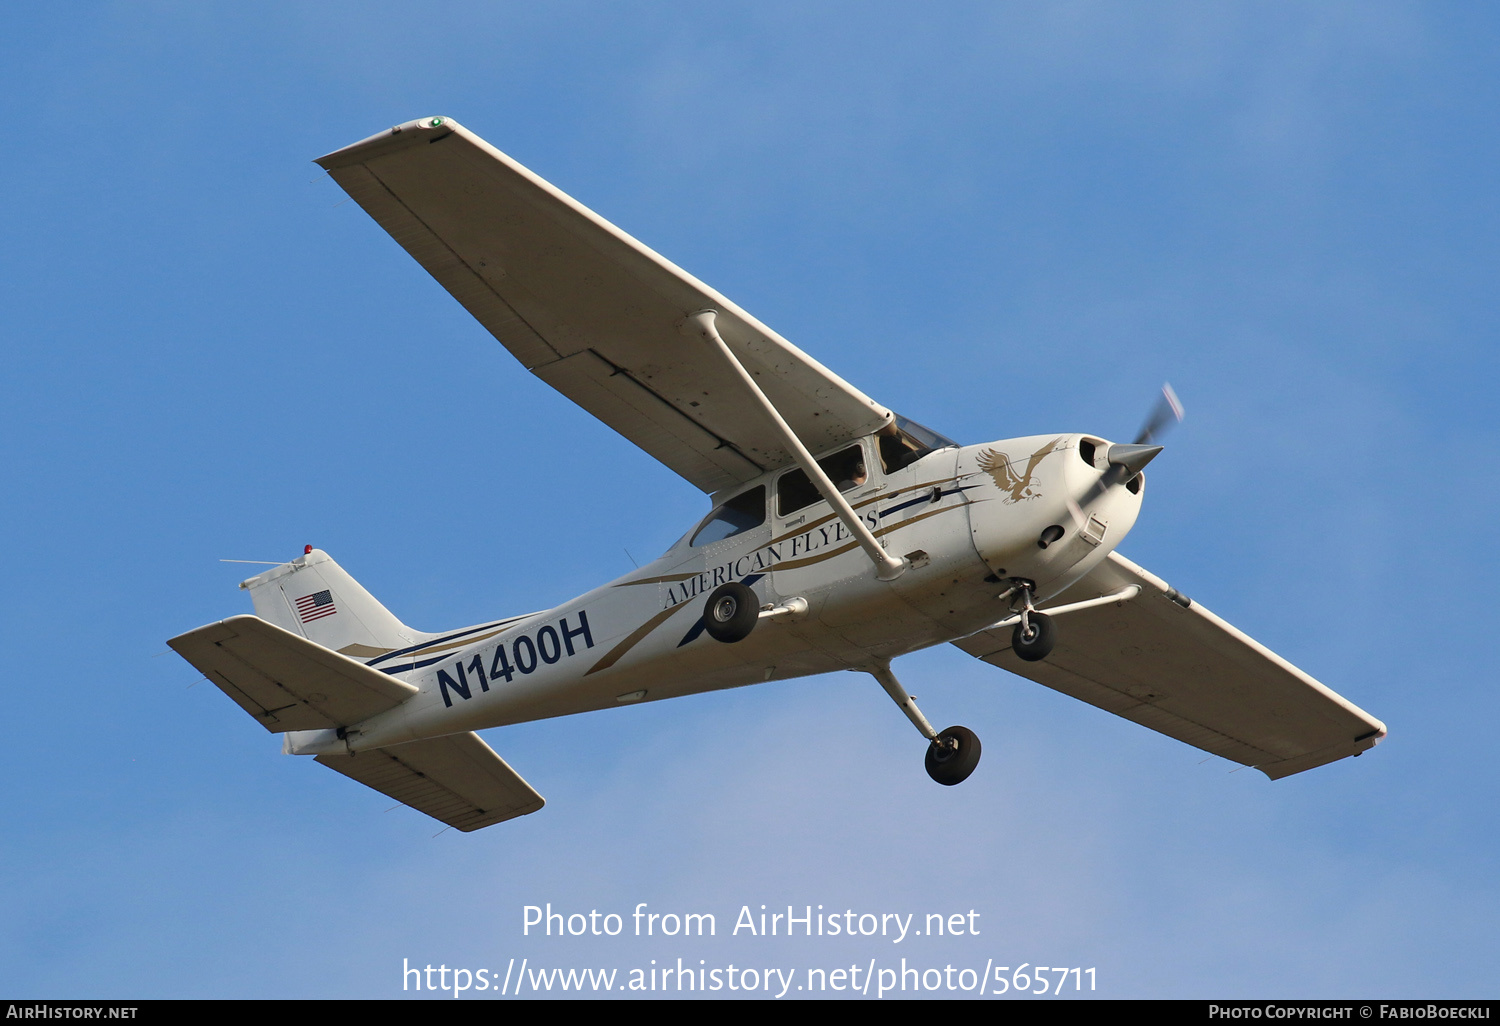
[315,606]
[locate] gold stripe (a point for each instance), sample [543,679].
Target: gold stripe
[802,528]
[459,643]
[632,639]
[664,579]
[922,516]
[798,564]
[807,561]
[799,529]
[635,637]
[363,651]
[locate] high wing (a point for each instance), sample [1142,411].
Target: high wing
[457,779]
[593,312]
[1171,665]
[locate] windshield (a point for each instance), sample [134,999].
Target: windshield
[903,442]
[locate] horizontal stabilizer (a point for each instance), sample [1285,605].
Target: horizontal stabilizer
[285,681]
[1169,664]
[457,779]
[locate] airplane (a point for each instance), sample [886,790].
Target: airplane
[841,534]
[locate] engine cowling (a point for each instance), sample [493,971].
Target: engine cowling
[1043,509]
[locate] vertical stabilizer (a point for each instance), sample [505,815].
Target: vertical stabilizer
[314,597]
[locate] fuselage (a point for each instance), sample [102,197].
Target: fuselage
[970,519]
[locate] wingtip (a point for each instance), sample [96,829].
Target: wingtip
[408,133]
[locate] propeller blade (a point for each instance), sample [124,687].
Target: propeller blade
[1168,411]
[1126,461]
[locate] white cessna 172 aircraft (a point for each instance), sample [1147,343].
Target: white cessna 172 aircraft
[841,535]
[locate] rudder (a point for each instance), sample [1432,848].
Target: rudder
[313,596]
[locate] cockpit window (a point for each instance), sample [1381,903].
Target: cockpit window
[845,468]
[745,511]
[903,442]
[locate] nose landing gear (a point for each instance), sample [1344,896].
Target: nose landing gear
[1034,635]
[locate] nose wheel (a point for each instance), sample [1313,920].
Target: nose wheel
[1034,636]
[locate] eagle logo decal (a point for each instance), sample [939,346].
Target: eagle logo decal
[1018,487]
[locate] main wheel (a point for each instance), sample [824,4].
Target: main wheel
[1037,642]
[731,612]
[952,765]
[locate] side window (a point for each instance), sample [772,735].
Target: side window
[845,468]
[745,511]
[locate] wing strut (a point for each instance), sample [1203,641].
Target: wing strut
[887,567]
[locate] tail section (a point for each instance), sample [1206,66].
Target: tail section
[278,666]
[314,597]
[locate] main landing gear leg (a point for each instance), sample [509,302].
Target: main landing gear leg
[951,755]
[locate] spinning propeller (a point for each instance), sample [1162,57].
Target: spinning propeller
[1168,411]
[1126,461]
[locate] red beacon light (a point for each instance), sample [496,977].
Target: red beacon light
[307,550]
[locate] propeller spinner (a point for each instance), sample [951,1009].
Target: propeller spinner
[1126,461]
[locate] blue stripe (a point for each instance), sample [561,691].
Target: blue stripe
[693,632]
[414,666]
[439,641]
[926,498]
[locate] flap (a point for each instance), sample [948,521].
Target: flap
[1169,664]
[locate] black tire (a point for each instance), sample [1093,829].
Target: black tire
[1038,643]
[731,612]
[953,766]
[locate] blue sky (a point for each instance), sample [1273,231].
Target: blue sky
[999,219]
